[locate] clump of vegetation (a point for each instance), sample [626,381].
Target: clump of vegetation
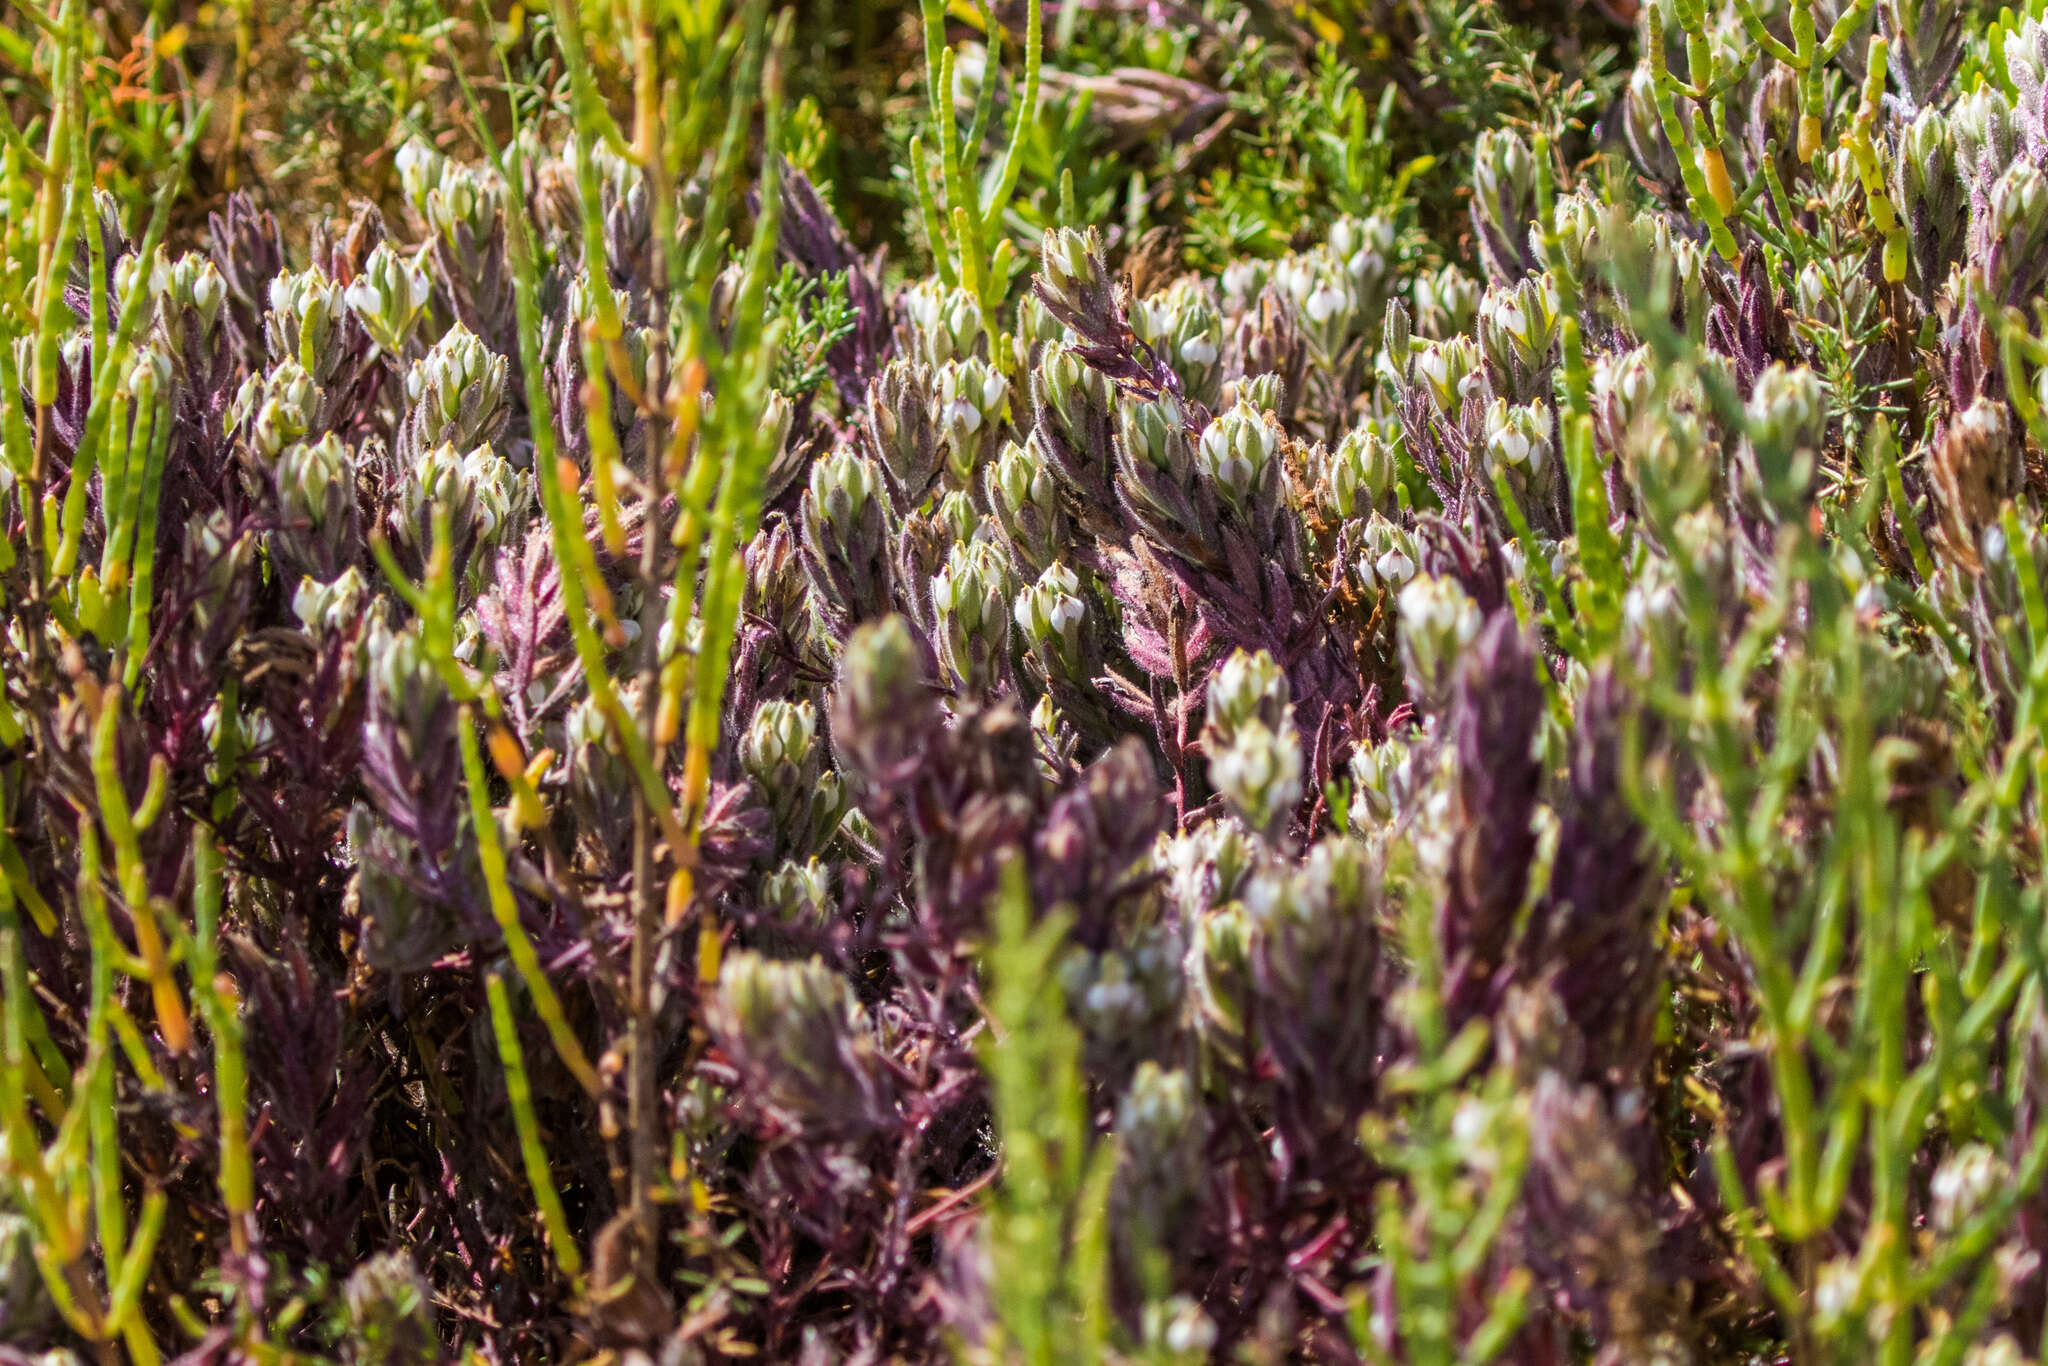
[1338,682]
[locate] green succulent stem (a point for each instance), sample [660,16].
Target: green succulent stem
[1692,152]
[518,944]
[532,1152]
[964,222]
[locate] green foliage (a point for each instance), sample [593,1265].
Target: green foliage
[814,316]
[365,66]
[1047,1223]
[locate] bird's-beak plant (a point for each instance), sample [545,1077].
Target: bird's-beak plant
[1379,696]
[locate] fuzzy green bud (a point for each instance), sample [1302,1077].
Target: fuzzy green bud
[1365,246]
[1152,431]
[189,281]
[1070,260]
[1787,421]
[149,373]
[336,605]
[1448,368]
[1397,337]
[305,308]
[1050,614]
[1624,392]
[882,666]
[391,1311]
[971,597]
[457,379]
[388,297]
[969,397]
[1502,166]
[1259,773]
[1386,559]
[1162,1127]
[1376,777]
[945,324]
[402,673]
[1079,395]
[1035,325]
[1986,134]
[780,753]
[1518,437]
[798,893]
[276,408]
[1574,229]
[1326,297]
[1518,325]
[1019,480]
[462,198]
[780,733]
[1362,473]
[1248,685]
[2018,220]
[1437,621]
[802,1039]
[841,485]
[959,516]
[480,489]
[1219,976]
[1182,325]
[1446,302]
[1064,374]
[1264,393]
[1504,191]
[1925,158]
[316,485]
[1236,450]
[419,170]
[1207,866]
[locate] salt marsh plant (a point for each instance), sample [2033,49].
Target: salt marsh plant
[1307,726]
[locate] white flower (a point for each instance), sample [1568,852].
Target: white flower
[1394,567]
[1323,304]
